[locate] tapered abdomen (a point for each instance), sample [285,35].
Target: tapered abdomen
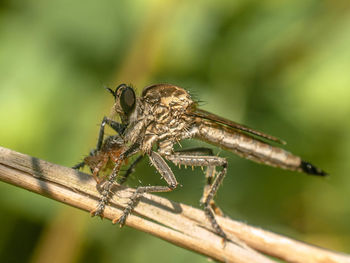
[251,148]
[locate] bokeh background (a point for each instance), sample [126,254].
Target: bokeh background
[282,67]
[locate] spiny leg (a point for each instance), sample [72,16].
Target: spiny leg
[197,151]
[107,185]
[209,206]
[209,176]
[209,192]
[166,173]
[209,173]
[106,191]
[118,127]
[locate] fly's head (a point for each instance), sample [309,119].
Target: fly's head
[125,101]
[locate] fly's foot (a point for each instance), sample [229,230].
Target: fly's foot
[211,217]
[98,211]
[104,188]
[223,242]
[210,210]
[217,211]
[120,220]
[134,199]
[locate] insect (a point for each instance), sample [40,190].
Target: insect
[163,116]
[102,158]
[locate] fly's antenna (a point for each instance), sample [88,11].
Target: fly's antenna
[111,91]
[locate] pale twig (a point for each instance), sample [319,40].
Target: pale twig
[179,224]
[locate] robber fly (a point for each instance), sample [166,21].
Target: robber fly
[163,116]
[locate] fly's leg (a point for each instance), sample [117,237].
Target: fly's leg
[130,170]
[106,190]
[209,173]
[213,182]
[166,173]
[197,151]
[106,187]
[208,203]
[209,176]
[118,127]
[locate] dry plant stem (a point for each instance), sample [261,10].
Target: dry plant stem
[177,223]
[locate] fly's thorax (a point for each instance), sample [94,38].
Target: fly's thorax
[166,102]
[167,95]
[165,134]
[165,107]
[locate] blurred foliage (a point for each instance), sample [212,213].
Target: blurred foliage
[279,66]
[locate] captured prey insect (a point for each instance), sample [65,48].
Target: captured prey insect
[103,158]
[163,116]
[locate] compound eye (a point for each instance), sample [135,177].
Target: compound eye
[127,100]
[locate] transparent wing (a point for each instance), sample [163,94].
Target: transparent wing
[210,116]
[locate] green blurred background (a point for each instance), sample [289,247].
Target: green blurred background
[282,67]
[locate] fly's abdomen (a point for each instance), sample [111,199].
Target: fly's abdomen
[248,146]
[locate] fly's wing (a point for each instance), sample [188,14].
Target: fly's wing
[210,116]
